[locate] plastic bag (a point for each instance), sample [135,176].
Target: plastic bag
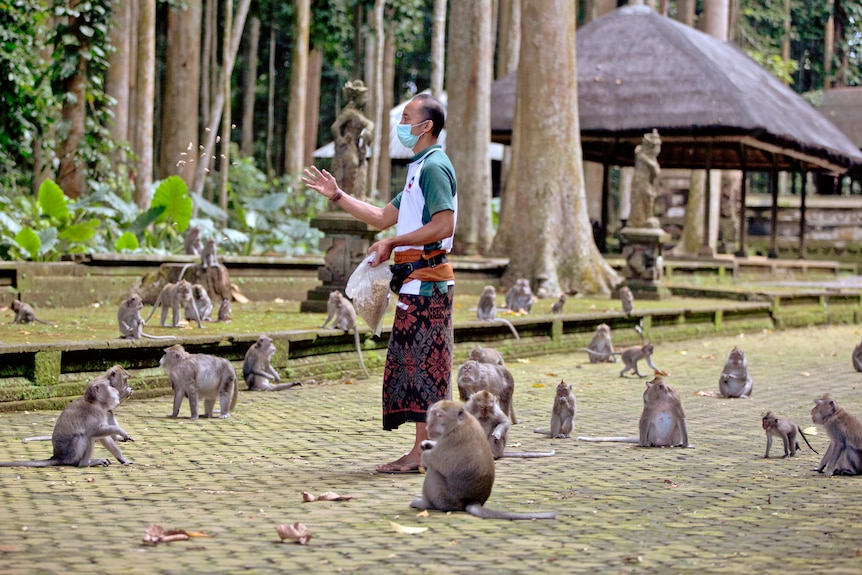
[368,288]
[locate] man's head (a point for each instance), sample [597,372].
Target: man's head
[426,118]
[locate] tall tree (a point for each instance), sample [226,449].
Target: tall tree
[118,81]
[552,244]
[438,47]
[226,122]
[250,88]
[469,120]
[294,153]
[145,95]
[376,89]
[179,127]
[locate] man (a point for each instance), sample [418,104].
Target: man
[419,359]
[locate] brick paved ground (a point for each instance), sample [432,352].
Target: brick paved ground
[717,508]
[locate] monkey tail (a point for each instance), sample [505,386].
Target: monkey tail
[542,431]
[39,463]
[478,510]
[613,439]
[529,454]
[233,399]
[359,350]
[37,438]
[511,327]
[157,336]
[155,307]
[45,322]
[806,440]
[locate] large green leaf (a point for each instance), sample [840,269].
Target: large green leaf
[52,201]
[29,241]
[173,194]
[81,232]
[269,203]
[127,241]
[144,219]
[48,239]
[209,209]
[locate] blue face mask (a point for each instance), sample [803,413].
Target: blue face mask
[407,139]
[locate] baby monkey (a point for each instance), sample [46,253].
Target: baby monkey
[563,413]
[786,430]
[483,406]
[24,313]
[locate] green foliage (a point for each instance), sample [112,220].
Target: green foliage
[173,195]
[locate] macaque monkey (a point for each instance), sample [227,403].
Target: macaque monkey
[208,254]
[344,313]
[844,454]
[224,310]
[200,375]
[459,465]
[192,241]
[24,313]
[519,298]
[563,412]
[257,368]
[627,299]
[131,322]
[486,310]
[177,297]
[662,422]
[786,430]
[483,406]
[486,355]
[857,357]
[601,348]
[557,308]
[631,356]
[83,421]
[734,380]
[202,302]
[474,376]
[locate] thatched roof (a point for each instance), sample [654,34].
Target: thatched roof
[638,70]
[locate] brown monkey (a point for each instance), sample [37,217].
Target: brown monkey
[178,297]
[627,299]
[857,357]
[786,430]
[200,375]
[486,310]
[192,241]
[844,454]
[459,465]
[631,356]
[257,368]
[563,412]
[83,421]
[486,355]
[558,305]
[224,310]
[24,313]
[345,319]
[202,302]
[473,376]
[662,422]
[208,254]
[601,346]
[483,406]
[131,322]
[519,298]
[734,380]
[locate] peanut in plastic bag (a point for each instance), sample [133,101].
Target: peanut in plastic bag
[368,288]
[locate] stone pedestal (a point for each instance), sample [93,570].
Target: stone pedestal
[642,250]
[344,245]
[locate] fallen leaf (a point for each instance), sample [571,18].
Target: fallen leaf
[705,393]
[297,532]
[308,497]
[423,513]
[407,530]
[671,483]
[155,534]
[804,374]
[522,360]
[325,496]
[551,374]
[538,385]
[682,352]
[810,430]
[706,356]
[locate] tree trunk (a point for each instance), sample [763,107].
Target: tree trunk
[179,128]
[294,143]
[117,83]
[552,244]
[226,122]
[71,175]
[692,231]
[208,69]
[145,89]
[249,89]
[685,11]
[384,174]
[438,47]
[312,103]
[377,98]
[215,112]
[469,121]
[270,105]
[828,44]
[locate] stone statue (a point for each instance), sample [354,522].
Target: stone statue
[642,213]
[352,132]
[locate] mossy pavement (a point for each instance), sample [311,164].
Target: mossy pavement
[716,508]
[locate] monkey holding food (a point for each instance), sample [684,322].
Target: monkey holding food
[459,465]
[563,412]
[734,380]
[495,424]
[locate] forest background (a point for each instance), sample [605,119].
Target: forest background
[124,122]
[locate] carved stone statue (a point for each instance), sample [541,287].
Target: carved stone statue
[352,132]
[642,213]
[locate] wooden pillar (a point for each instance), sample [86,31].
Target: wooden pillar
[606,212]
[705,248]
[773,228]
[802,226]
[742,251]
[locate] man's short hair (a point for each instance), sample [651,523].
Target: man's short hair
[433,110]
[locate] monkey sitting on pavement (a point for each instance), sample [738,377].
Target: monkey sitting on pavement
[563,412]
[200,375]
[844,454]
[786,430]
[483,406]
[24,313]
[83,421]
[257,368]
[459,465]
[734,380]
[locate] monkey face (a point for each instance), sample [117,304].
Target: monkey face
[467,372]
[102,393]
[15,305]
[769,421]
[823,409]
[134,302]
[119,379]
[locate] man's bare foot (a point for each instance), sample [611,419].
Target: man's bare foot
[404,464]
